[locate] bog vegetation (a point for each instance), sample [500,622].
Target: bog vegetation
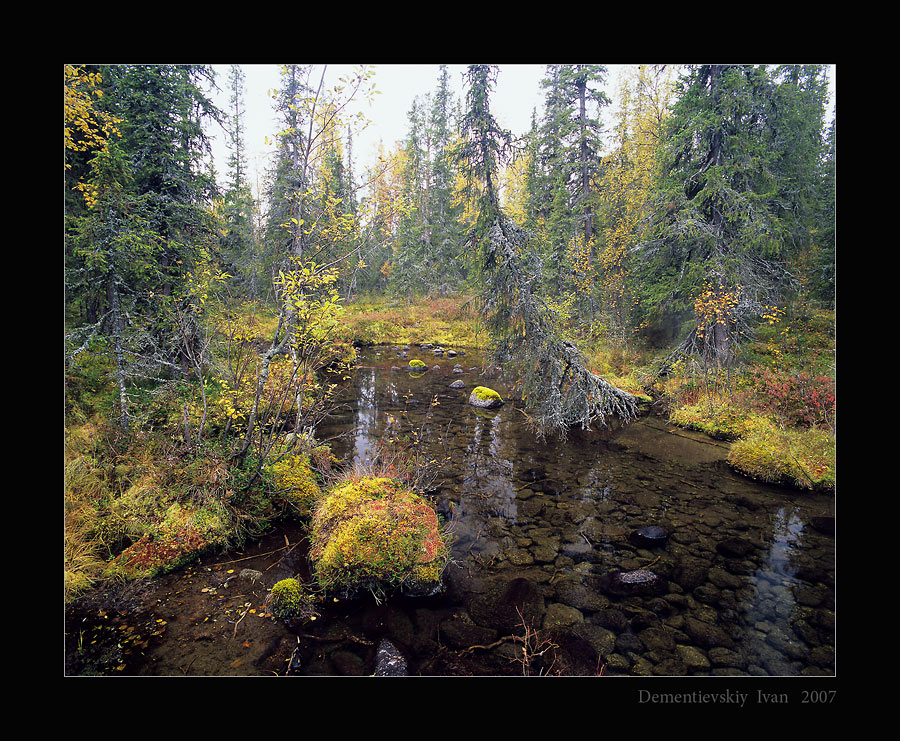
[682,256]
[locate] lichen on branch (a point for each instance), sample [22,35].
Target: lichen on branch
[557,386]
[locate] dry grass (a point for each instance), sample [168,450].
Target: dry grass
[449,321]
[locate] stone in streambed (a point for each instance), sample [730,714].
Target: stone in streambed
[735,547]
[638,582]
[649,537]
[485,398]
[389,662]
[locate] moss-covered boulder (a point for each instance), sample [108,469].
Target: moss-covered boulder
[485,398]
[294,480]
[289,601]
[417,365]
[374,534]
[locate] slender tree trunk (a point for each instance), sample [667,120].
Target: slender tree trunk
[118,326]
[585,176]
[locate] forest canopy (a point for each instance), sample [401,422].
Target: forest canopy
[700,212]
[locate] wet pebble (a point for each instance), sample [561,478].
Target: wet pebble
[389,661]
[559,615]
[459,633]
[735,547]
[652,536]
[693,658]
[348,664]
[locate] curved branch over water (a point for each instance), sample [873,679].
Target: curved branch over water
[554,380]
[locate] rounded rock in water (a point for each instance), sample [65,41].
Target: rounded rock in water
[485,398]
[649,537]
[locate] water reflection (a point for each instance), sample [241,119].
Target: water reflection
[749,588]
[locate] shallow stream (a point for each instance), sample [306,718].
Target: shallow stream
[743,583]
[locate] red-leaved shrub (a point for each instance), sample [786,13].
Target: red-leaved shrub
[797,399]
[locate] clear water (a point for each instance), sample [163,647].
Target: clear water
[745,578]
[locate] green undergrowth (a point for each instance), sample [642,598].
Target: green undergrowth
[802,458]
[139,505]
[293,478]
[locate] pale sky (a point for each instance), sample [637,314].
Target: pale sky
[516,95]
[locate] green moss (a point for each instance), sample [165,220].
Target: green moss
[290,601]
[185,531]
[800,458]
[484,393]
[374,534]
[417,364]
[716,418]
[294,480]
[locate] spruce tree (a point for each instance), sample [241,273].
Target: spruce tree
[558,388]
[725,214]
[239,242]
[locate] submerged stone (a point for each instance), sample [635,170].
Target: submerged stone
[389,662]
[824,525]
[638,582]
[734,547]
[649,537]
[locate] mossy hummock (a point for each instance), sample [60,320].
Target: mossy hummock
[185,532]
[374,534]
[290,601]
[294,479]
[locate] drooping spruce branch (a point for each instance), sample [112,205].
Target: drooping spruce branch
[554,381]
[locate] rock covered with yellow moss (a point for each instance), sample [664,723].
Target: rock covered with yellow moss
[485,398]
[289,601]
[374,534]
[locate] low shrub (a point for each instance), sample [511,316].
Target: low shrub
[795,399]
